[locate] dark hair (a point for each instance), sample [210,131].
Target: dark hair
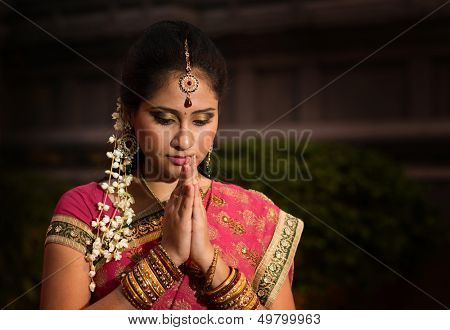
[160,51]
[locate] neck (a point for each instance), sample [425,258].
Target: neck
[161,189]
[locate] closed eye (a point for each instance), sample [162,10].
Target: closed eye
[201,122]
[163,121]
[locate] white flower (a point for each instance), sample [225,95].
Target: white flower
[109,154]
[108,256]
[111,189]
[106,207]
[124,243]
[117,237]
[114,224]
[94,224]
[127,231]
[115,115]
[128,179]
[97,244]
[112,246]
[92,286]
[112,139]
[117,255]
[106,219]
[110,234]
[96,252]
[92,273]
[104,185]
[115,175]
[129,213]
[115,184]
[121,192]
[129,220]
[118,153]
[103,228]
[115,165]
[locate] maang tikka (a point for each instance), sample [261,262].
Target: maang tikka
[188,83]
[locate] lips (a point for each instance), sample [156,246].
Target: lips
[177,160]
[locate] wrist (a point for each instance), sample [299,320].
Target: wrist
[205,261]
[172,255]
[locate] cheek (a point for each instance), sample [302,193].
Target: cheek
[205,140]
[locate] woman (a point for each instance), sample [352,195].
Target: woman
[158,232]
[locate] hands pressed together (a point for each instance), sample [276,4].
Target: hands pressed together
[185,226]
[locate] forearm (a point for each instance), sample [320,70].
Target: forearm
[114,300]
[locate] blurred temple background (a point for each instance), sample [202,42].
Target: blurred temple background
[56,106]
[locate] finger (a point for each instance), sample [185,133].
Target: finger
[195,167]
[197,198]
[186,207]
[190,172]
[178,192]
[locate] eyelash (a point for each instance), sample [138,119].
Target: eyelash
[163,121]
[201,122]
[167,122]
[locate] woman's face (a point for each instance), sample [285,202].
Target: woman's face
[167,131]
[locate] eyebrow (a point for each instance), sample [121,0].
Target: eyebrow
[174,111]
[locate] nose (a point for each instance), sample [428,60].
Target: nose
[183,140]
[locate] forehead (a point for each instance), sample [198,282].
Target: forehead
[172,96]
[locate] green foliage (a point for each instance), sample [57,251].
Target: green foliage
[27,203]
[356,203]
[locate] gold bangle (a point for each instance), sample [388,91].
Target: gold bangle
[137,289]
[135,300]
[165,279]
[245,299]
[212,269]
[127,294]
[152,278]
[233,292]
[230,304]
[230,277]
[130,299]
[253,304]
[146,283]
[178,275]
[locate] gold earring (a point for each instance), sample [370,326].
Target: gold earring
[208,162]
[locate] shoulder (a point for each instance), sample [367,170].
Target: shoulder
[80,202]
[71,220]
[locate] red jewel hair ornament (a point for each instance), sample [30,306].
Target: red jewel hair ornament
[188,82]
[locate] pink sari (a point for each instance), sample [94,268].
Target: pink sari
[251,232]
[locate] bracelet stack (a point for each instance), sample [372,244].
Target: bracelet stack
[150,278]
[233,293]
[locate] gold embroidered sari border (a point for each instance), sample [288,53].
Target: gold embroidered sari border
[75,222]
[274,267]
[65,241]
[69,231]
